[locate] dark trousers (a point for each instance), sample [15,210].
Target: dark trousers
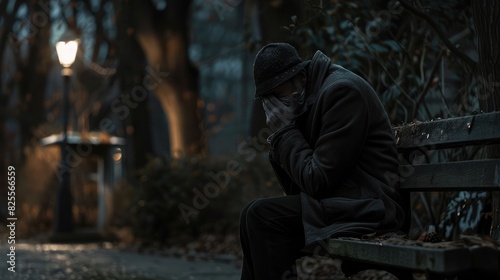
[272,236]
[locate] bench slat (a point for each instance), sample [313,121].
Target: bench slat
[448,133]
[477,175]
[437,260]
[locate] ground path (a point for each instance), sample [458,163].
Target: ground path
[100,261]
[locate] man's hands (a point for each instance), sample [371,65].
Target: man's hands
[278,115]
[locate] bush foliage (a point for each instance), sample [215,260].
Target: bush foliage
[192,196]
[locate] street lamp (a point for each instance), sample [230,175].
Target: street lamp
[66,52]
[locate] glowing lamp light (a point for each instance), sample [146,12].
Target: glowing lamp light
[66,52]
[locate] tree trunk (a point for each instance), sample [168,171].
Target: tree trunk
[486,15]
[34,75]
[163,35]
[131,73]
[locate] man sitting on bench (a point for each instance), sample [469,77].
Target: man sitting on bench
[332,147]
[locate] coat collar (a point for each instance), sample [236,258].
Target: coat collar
[317,70]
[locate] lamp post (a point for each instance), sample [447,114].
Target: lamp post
[66,52]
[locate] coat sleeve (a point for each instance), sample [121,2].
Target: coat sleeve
[319,167]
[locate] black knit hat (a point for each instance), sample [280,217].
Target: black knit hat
[275,64]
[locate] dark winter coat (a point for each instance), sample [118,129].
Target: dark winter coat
[338,156]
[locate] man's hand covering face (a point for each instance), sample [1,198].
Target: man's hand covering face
[279,115]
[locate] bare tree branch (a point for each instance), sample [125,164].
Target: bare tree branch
[465,58]
[427,86]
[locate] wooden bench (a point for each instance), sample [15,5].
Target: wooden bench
[419,145]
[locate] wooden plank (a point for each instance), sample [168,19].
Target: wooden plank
[437,260]
[477,175]
[448,133]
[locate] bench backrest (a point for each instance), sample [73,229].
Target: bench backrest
[424,168]
[419,142]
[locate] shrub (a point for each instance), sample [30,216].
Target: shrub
[193,196]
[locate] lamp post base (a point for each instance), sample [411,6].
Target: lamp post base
[64,207]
